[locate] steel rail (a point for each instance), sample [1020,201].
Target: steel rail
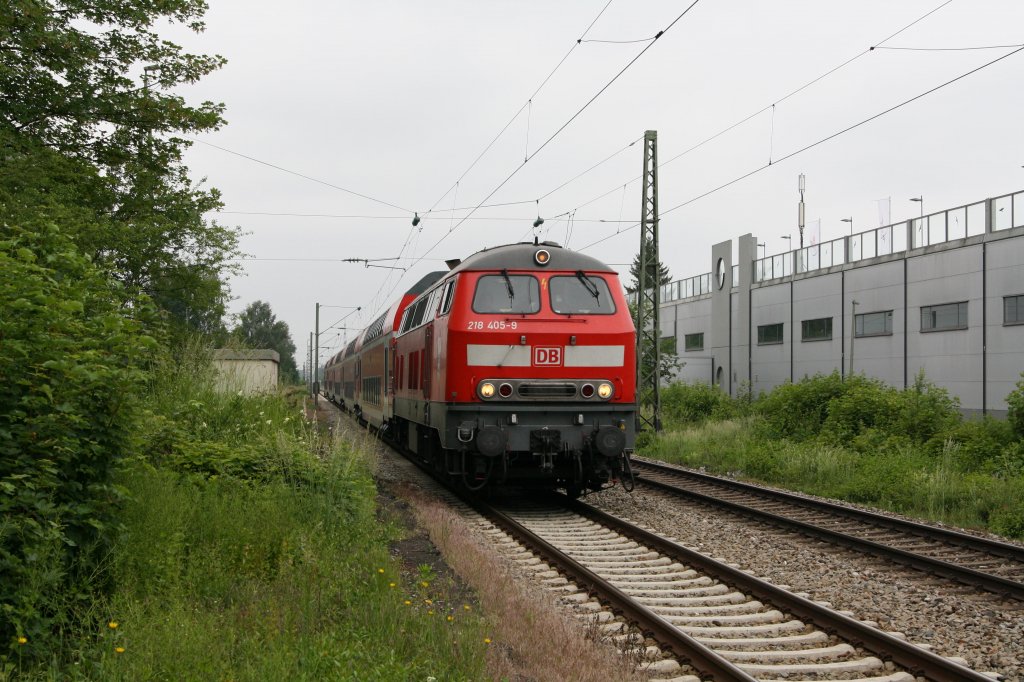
[681,644]
[911,657]
[1003,549]
[969,576]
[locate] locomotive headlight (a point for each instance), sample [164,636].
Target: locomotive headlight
[604,390]
[487,390]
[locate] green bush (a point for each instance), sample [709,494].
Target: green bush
[925,410]
[799,410]
[980,442]
[683,403]
[69,356]
[1015,405]
[866,405]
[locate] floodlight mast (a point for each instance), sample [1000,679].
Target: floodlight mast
[800,213]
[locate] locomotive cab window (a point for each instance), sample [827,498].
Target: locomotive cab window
[581,294]
[506,293]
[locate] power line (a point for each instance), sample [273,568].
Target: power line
[501,132]
[391,217]
[555,134]
[301,175]
[776,102]
[950,49]
[815,144]
[567,123]
[527,104]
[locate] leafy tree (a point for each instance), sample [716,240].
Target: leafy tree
[258,327]
[668,355]
[659,271]
[89,118]
[90,79]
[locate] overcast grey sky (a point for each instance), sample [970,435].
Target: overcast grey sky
[395,99]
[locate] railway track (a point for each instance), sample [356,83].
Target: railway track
[995,567]
[720,621]
[698,618]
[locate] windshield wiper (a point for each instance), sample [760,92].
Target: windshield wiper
[589,286]
[508,285]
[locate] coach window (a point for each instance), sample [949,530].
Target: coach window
[581,294]
[433,304]
[506,293]
[949,316]
[416,316]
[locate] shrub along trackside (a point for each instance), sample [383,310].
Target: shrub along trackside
[858,440]
[250,550]
[70,358]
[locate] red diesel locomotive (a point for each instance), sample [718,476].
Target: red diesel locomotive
[517,365]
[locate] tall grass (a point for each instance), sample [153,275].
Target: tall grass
[250,550]
[896,475]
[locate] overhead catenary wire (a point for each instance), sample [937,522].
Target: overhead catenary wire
[780,100]
[391,217]
[556,133]
[528,102]
[301,175]
[813,144]
[567,123]
[949,49]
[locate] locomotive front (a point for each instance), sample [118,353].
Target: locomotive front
[540,369]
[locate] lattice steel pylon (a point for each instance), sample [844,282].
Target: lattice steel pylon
[648,295]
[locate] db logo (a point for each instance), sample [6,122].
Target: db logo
[547,355]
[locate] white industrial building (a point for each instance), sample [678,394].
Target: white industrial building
[943,293]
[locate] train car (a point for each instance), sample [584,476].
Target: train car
[517,365]
[358,379]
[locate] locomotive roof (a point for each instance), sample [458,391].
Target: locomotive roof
[520,257]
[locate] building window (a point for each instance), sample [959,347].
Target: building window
[1013,309]
[816,330]
[768,334]
[873,324]
[936,318]
[696,341]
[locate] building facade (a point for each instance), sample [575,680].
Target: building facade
[942,294]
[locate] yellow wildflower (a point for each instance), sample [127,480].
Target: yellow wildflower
[391,584]
[119,650]
[487,640]
[408,603]
[427,602]
[112,625]
[22,640]
[466,607]
[450,618]
[424,584]
[430,612]
[381,571]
